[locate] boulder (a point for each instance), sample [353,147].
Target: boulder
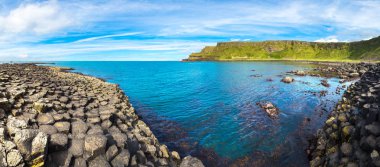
[325,83]
[122,159]
[5,104]
[270,109]
[79,127]
[58,142]
[346,149]
[175,155]
[63,127]
[64,99]
[164,151]
[94,145]
[48,129]
[39,149]
[39,107]
[23,140]
[300,73]
[373,128]
[80,162]
[354,75]
[99,161]
[287,80]
[111,152]
[140,157]
[76,147]
[14,125]
[120,139]
[60,158]
[190,161]
[45,119]
[14,158]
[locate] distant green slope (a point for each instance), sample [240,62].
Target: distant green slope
[289,50]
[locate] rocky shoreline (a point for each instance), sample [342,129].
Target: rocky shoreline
[351,134]
[50,117]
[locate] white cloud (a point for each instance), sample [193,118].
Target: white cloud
[40,18]
[23,56]
[328,39]
[108,36]
[23,26]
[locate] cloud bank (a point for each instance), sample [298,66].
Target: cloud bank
[170,30]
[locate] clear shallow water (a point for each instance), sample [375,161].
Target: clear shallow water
[209,108]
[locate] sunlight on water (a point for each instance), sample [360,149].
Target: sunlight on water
[212,105]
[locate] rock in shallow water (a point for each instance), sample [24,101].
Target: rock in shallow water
[190,161]
[287,80]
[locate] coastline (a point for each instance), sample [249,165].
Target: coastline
[53,117]
[350,136]
[284,60]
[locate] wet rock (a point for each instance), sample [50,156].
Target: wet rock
[270,109]
[190,161]
[175,155]
[287,80]
[325,83]
[164,150]
[300,73]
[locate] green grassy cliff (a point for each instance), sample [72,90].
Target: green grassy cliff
[290,50]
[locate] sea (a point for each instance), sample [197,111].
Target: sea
[210,109]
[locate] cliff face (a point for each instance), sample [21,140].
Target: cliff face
[290,50]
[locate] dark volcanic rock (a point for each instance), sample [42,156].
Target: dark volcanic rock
[351,135]
[56,118]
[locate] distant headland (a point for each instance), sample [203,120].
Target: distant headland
[366,50]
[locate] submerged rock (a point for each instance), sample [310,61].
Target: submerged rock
[190,161]
[270,109]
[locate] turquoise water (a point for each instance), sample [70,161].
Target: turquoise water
[209,108]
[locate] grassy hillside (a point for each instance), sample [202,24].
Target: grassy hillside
[290,50]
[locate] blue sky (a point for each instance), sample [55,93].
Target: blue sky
[170,30]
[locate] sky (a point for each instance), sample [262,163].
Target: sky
[161,30]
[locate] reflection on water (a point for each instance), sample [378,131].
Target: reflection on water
[208,109]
